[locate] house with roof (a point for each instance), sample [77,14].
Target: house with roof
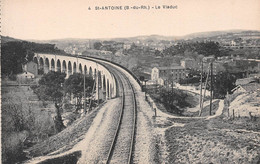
[246,85]
[31,67]
[30,71]
[189,63]
[245,81]
[25,77]
[249,88]
[160,75]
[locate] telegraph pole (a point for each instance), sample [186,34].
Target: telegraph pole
[202,100]
[97,85]
[84,92]
[211,87]
[201,83]
[172,91]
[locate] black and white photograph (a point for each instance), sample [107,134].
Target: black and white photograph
[130,81]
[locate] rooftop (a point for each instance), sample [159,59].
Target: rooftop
[251,87]
[245,81]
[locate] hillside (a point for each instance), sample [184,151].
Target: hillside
[16,52]
[5,39]
[224,33]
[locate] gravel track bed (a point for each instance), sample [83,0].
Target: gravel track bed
[148,144]
[99,139]
[122,146]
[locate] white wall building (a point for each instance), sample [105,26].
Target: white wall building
[162,74]
[25,77]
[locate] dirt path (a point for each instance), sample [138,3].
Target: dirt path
[219,111]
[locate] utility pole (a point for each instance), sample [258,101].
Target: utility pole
[90,102]
[97,86]
[172,90]
[201,83]
[211,87]
[145,89]
[202,101]
[84,92]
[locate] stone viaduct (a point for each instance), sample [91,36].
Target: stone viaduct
[105,80]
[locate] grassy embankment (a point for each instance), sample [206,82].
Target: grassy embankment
[67,138]
[27,126]
[24,121]
[218,140]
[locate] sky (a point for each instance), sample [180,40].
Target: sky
[56,19]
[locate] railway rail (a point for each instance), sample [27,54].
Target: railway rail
[122,146]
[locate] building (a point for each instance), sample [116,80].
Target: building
[246,85]
[30,71]
[162,74]
[245,81]
[247,88]
[127,46]
[188,63]
[208,59]
[25,77]
[31,67]
[233,43]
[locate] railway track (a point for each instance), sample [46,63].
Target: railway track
[121,149]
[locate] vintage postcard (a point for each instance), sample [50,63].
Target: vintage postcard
[130,81]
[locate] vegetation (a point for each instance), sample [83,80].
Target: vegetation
[106,46]
[50,89]
[74,86]
[53,87]
[23,122]
[250,53]
[97,45]
[204,48]
[66,138]
[14,54]
[173,100]
[216,140]
[26,123]
[224,82]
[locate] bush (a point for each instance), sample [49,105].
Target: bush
[12,148]
[173,100]
[23,123]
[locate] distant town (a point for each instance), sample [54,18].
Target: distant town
[236,52]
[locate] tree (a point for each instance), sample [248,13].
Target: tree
[13,55]
[97,45]
[224,82]
[173,100]
[50,89]
[157,53]
[193,49]
[74,86]
[16,53]
[133,46]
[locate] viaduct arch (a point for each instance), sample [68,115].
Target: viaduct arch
[105,81]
